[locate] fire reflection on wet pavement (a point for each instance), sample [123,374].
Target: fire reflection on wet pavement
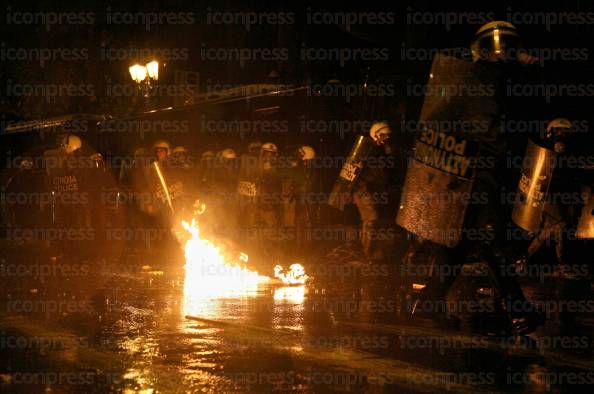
[170,330]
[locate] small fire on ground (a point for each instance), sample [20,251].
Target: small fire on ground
[209,274]
[295,276]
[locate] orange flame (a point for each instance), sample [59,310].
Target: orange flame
[295,276]
[209,275]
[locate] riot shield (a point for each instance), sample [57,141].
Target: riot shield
[168,190]
[249,177]
[537,171]
[350,171]
[459,110]
[69,204]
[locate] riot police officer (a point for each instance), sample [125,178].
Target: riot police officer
[547,207]
[130,166]
[161,150]
[248,189]
[183,171]
[221,199]
[298,202]
[450,198]
[135,196]
[227,166]
[306,186]
[67,181]
[207,159]
[374,193]
[167,185]
[270,187]
[533,212]
[181,157]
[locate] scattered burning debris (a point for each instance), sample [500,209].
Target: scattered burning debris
[295,276]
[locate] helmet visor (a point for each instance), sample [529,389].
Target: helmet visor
[496,45]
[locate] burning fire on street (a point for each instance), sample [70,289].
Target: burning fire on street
[209,275]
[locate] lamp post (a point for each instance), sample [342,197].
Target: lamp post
[145,75]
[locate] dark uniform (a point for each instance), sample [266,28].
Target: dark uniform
[182,171]
[299,206]
[259,189]
[222,208]
[269,199]
[375,194]
[544,209]
[452,188]
[305,203]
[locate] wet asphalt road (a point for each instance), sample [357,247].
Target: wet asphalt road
[128,329]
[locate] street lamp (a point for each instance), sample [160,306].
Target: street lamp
[144,75]
[138,73]
[153,70]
